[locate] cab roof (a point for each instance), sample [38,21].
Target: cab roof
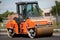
[19,3]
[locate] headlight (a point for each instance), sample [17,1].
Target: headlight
[37,24]
[49,23]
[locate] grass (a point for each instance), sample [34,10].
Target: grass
[2,27]
[57,25]
[57,31]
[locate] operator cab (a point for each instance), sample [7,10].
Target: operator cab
[27,9]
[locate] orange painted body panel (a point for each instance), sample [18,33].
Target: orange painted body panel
[26,25]
[13,25]
[41,22]
[16,29]
[23,26]
[30,23]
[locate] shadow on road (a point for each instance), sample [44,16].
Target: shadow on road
[20,35]
[26,36]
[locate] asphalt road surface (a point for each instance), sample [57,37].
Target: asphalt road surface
[54,37]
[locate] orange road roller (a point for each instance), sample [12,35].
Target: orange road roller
[28,21]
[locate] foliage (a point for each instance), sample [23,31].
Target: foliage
[40,11]
[1,19]
[4,15]
[53,10]
[0,1]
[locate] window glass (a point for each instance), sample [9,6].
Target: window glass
[32,10]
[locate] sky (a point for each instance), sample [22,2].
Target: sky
[10,4]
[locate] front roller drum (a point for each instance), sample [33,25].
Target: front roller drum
[44,31]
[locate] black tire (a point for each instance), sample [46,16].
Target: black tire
[10,33]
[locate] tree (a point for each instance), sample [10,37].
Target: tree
[4,15]
[1,18]
[53,10]
[0,1]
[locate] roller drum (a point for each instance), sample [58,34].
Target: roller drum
[44,31]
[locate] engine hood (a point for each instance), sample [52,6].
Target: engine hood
[39,20]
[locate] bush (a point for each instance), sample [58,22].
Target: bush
[1,19]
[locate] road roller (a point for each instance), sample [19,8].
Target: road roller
[29,22]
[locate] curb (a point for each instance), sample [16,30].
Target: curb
[56,29]
[3,33]
[5,30]
[2,29]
